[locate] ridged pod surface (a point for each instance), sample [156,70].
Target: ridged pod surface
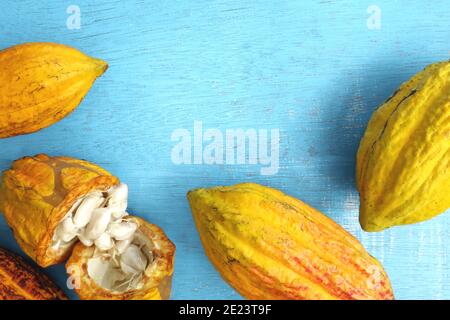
[41,83]
[37,192]
[403,162]
[268,245]
[20,281]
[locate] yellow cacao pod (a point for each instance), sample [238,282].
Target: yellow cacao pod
[59,207]
[403,161]
[268,245]
[41,83]
[20,281]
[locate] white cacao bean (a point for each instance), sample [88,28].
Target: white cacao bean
[122,245]
[66,230]
[98,223]
[127,269]
[68,226]
[134,258]
[123,230]
[98,269]
[104,242]
[84,212]
[85,241]
[118,198]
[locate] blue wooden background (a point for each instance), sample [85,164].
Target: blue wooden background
[312,69]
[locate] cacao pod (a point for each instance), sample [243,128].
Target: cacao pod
[60,206]
[20,281]
[268,245]
[403,161]
[41,83]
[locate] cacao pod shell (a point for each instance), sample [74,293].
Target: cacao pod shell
[157,279]
[268,245]
[36,194]
[403,161]
[20,281]
[41,83]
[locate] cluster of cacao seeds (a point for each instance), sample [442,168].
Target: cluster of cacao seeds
[99,219]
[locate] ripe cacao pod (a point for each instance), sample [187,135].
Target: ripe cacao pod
[52,202]
[41,83]
[20,281]
[403,161]
[268,245]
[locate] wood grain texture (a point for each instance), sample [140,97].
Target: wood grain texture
[312,69]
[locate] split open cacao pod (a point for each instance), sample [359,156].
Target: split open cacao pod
[60,206]
[268,245]
[41,83]
[403,161]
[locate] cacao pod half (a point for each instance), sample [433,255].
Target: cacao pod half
[268,245]
[403,161]
[41,83]
[156,280]
[38,192]
[20,281]
[60,206]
